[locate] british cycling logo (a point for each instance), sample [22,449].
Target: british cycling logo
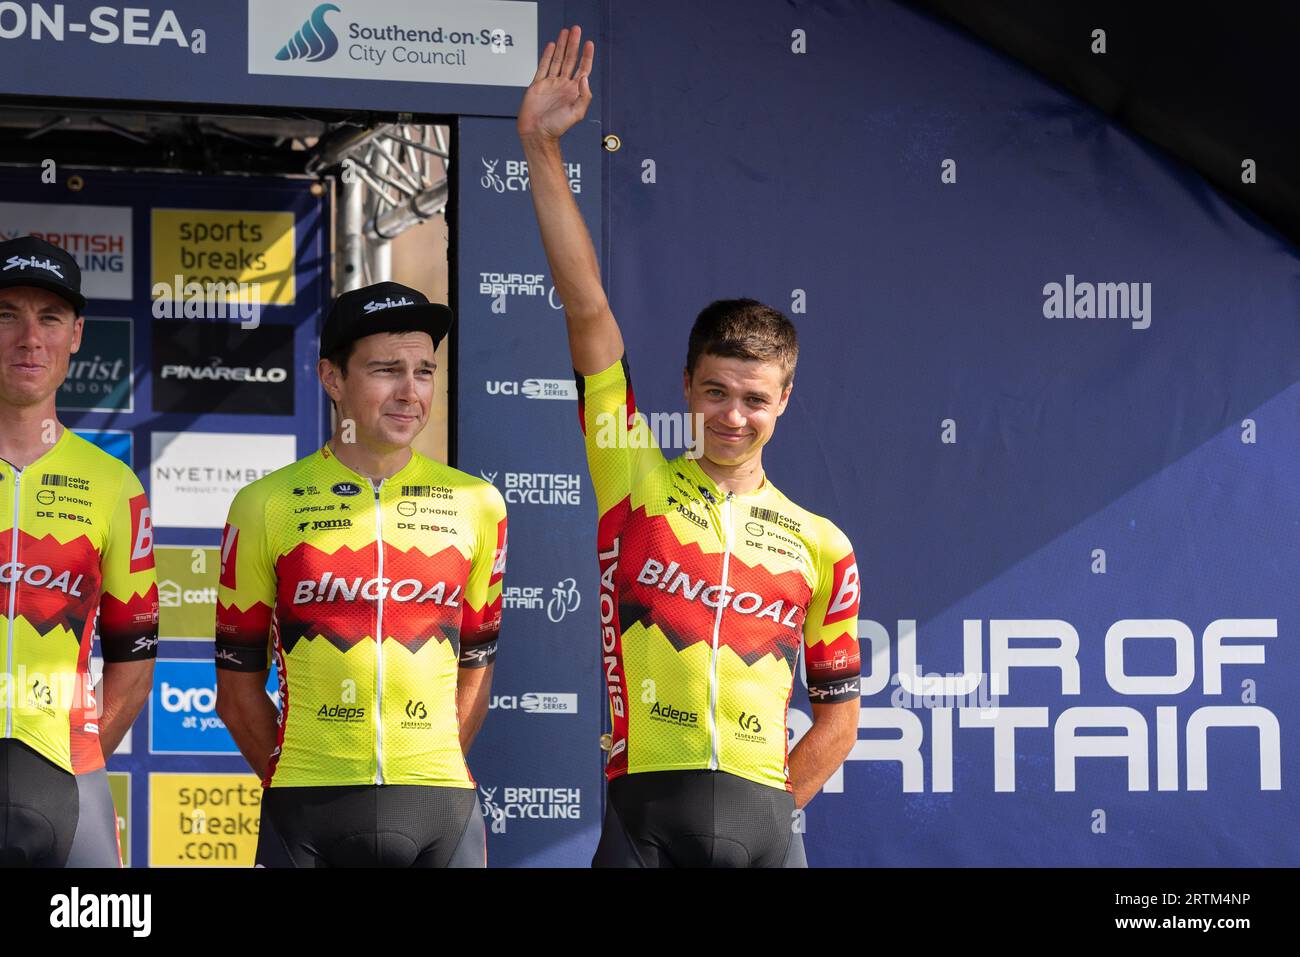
[314,41]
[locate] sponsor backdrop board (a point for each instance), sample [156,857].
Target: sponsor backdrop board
[456,56]
[537,760]
[1048,384]
[199,395]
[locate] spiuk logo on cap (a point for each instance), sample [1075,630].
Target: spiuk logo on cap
[374,306]
[20,262]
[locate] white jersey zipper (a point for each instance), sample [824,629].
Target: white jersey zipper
[717,629]
[379,638]
[13,608]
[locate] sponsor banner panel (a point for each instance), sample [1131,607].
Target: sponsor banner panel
[481,42]
[101,374]
[98,237]
[210,366]
[203,820]
[231,254]
[119,785]
[195,475]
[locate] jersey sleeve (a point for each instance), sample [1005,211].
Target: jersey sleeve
[246,588]
[128,604]
[481,622]
[618,441]
[832,660]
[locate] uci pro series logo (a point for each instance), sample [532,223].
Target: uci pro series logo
[314,41]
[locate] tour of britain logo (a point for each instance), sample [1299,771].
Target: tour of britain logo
[314,41]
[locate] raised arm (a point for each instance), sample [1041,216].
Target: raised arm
[557,98]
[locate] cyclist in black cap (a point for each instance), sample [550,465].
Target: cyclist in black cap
[77,545]
[371,576]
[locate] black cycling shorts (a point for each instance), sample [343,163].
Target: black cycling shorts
[38,808]
[698,819]
[371,825]
[96,842]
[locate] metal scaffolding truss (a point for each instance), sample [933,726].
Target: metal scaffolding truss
[390,177]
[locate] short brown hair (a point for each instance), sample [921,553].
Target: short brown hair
[341,355]
[744,329]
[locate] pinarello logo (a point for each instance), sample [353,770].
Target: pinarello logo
[314,40]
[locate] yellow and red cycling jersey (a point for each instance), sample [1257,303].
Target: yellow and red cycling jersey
[76,541]
[705,601]
[315,563]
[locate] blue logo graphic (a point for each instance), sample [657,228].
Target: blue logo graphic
[183,708]
[118,443]
[314,41]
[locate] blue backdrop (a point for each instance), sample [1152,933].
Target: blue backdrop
[1081,504]
[120,401]
[1101,511]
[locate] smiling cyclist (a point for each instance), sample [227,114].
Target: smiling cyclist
[77,545]
[371,576]
[711,580]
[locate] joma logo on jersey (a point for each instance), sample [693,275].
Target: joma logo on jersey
[40,576]
[325,524]
[675,581]
[329,588]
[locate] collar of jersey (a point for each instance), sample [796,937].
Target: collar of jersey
[363,481]
[45,457]
[702,477]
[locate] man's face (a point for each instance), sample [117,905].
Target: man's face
[739,401]
[388,388]
[39,331]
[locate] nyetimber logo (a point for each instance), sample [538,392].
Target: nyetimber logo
[375,305]
[21,262]
[314,41]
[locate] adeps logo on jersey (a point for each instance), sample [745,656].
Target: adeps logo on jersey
[314,41]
